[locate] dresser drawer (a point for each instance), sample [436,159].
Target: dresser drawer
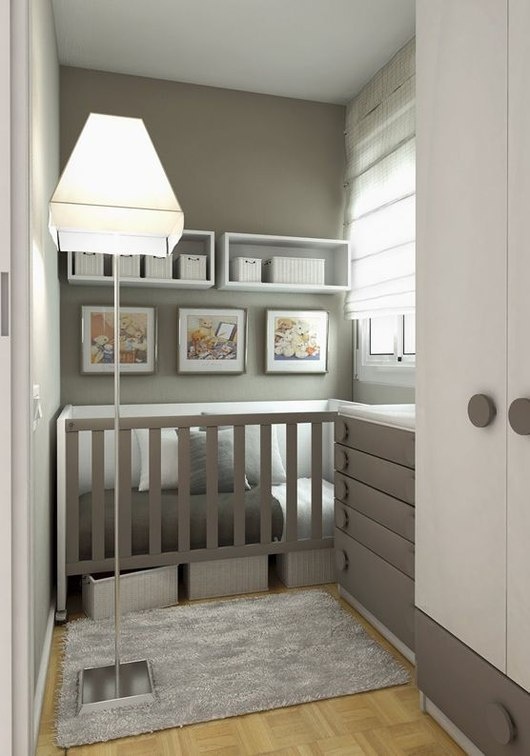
[383,542]
[394,444]
[388,477]
[392,513]
[382,589]
[483,703]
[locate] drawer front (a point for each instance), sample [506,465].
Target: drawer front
[483,703]
[392,513]
[394,444]
[388,477]
[382,589]
[383,542]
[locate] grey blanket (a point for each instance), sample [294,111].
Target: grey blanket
[140,521]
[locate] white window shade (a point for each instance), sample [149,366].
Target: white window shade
[380,191]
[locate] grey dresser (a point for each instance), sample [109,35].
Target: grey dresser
[374,521]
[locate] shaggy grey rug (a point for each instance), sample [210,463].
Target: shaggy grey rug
[221,659]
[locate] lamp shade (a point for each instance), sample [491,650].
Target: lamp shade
[114,196]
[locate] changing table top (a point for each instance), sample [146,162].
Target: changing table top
[397,415]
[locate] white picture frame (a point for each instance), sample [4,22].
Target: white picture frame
[296,341]
[138,336]
[212,340]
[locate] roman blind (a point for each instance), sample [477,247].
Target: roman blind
[380,191]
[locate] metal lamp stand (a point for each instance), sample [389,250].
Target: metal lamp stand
[121,683]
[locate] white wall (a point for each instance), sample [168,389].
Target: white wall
[45,307]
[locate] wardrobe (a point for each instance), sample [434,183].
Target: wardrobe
[473,367]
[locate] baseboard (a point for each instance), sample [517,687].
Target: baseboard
[385,632]
[451,729]
[40,687]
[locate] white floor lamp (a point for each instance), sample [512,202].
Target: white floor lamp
[115,198]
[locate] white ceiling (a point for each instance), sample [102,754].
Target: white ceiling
[323,50]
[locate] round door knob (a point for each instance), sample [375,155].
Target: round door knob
[519,416]
[342,430]
[342,460]
[500,723]
[481,410]
[341,559]
[341,489]
[342,518]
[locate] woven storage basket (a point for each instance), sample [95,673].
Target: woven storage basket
[246,269]
[88,264]
[145,589]
[300,568]
[158,267]
[191,267]
[227,577]
[130,266]
[294,270]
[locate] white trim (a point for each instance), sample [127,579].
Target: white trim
[40,687]
[385,632]
[451,729]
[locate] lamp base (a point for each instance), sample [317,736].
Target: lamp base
[97,686]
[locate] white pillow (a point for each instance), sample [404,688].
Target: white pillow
[168,458]
[85,461]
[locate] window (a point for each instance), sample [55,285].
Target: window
[386,349]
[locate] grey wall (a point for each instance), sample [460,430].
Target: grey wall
[238,162]
[45,306]
[379,393]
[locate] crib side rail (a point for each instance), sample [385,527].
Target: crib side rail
[154,555]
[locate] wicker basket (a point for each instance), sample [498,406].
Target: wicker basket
[88,264]
[145,589]
[294,270]
[227,577]
[246,269]
[130,266]
[191,267]
[299,568]
[158,267]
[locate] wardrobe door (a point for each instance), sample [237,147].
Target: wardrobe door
[461,318]
[518,661]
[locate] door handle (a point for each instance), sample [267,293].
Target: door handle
[481,410]
[519,416]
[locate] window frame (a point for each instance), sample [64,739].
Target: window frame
[397,369]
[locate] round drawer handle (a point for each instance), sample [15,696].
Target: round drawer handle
[500,723]
[342,460]
[341,559]
[342,430]
[342,518]
[481,410]
[519,416]
[341,489]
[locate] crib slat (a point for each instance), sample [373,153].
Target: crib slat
[239,485]
[72,497]
[291,524]
[316,480]
[265,483]
[98,495]
[125,528]
[155,498]
[184,489]
[212,486]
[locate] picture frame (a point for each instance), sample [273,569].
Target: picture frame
[296,341]
[212,340]
[138,340]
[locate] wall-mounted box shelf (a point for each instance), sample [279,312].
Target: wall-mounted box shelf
[335,252]
[191,243]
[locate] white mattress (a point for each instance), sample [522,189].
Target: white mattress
[304,506]
[397,415]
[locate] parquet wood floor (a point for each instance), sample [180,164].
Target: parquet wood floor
[366,724]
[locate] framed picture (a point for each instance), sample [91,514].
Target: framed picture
[137,340]
[212,340]
[296,341]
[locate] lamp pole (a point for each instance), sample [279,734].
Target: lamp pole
[117,607]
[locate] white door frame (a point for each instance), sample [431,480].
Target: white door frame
[16,637]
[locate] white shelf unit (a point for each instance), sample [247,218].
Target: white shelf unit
[191,242]
[336,253]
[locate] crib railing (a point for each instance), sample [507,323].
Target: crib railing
[76,564]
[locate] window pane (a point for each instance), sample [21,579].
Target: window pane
[382,335]
[409,334]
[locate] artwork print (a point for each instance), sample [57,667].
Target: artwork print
[135,341]
[212,340]
[296,341]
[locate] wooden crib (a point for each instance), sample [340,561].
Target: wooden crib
[158,527]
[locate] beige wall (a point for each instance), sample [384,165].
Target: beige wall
[45,368]
[238,162]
